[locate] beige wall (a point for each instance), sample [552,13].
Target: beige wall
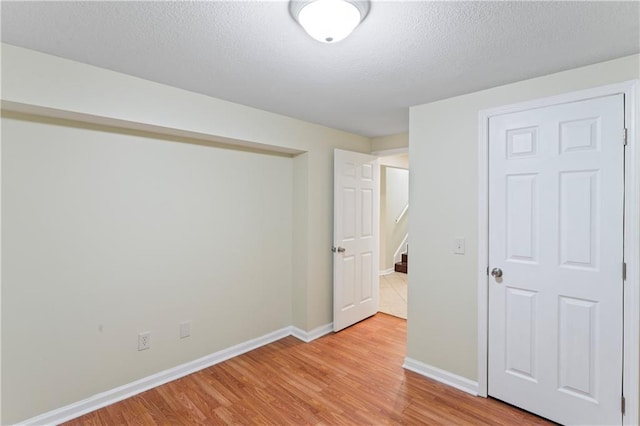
[301,210]
[391,142]
[106,235]
[397,160]
[442,326]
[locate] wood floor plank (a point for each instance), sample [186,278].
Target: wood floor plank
[354,377]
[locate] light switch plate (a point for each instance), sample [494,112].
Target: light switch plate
[458,245]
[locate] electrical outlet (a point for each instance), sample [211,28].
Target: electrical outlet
[144,341]
[185,329]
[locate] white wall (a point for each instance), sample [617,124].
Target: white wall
[442,327]
[88,177]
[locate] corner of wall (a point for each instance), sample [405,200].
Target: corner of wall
[300,237]
[391,142]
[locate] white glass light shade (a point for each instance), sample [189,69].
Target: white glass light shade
[329,21]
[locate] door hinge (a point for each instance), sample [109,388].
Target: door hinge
[487,271]
[622,404]
[624,136]
[624,271]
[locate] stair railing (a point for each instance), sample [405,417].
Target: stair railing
[402,213]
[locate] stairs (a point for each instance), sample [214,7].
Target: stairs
[402,266]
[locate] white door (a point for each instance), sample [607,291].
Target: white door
[355,229]
[556,234]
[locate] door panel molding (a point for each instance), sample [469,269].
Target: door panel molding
[631,354]
[356,237]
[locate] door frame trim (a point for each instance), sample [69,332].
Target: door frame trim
[631,351]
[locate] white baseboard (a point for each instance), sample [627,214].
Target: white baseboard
[441,376]
[109,397]
[308,336]
[387,271]
[402,248]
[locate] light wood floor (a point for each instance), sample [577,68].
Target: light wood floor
[354,377]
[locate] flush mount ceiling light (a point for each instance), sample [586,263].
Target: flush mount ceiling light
[329,21]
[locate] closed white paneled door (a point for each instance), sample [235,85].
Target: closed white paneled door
[556,198]
[356,225]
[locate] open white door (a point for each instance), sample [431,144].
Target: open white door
[355,235]
[556,191]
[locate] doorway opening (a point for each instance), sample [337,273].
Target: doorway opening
[394,237]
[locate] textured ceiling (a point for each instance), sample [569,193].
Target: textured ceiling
[405,53]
